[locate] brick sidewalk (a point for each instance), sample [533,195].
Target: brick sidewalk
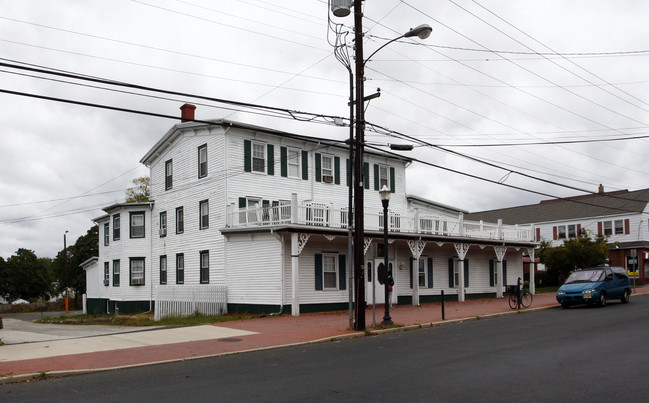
[271,332]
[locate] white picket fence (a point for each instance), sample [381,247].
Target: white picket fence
[183,300]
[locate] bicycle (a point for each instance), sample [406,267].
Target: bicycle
[518,297]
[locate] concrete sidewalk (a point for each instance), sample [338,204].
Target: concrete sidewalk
[85,354]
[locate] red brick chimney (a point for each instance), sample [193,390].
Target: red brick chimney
[187,112]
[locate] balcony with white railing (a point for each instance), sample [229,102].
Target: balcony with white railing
[412,222]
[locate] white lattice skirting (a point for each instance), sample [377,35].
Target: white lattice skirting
[181,300]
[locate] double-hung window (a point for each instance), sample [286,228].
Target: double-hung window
[137,270]
[384,176]
[572,231]
[180,268]
[116,233]
[169,174]
[608,228]
[106,234]
[204,208]
[258,157]
[205,266]
[293,162]
[163,223]
[561,232]
[115,273]
[202,161]
[330,271]
[421,272]
[163,269]
[106,273]
[180,220]
[137,225]
[619,227]
[327,169]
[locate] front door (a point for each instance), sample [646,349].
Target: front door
[375,290]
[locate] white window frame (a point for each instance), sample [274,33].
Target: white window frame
[258,157]
[180,267]
[562,232]
[421,272]
[169,174]
[180,220]
[572,231]
[106,273]
[163,223]
[293,161]
[618,227]
[106,234]
[607,228]
[329,269]
[456,273]
[116,227]
[327,166]
[384,176]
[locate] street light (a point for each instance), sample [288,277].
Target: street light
[422,31]
[384,194]
[65,268]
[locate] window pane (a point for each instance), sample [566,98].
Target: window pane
[422,273]
[619,227]
[294,163]
[608,228]
[137,225]
[329,271]
[383,177]
[258,157]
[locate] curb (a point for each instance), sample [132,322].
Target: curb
[60,374]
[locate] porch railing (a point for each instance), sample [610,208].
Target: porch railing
[412,222]
[184,300]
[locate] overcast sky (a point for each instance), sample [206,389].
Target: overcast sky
[492,72]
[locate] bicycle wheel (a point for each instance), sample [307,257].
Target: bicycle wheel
[513,301]
[527,300]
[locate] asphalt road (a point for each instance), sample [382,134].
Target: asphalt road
[594,354]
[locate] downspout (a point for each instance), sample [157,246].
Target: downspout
[281,268]
[151,260]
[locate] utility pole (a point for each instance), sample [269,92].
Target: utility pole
[359,145]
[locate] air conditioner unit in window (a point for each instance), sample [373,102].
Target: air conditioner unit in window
[327,179]
[163,232]
[137,281]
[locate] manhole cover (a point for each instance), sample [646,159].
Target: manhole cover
[230,339]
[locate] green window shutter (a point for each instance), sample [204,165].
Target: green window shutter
[411,263]
[491,273]
[247,155]
[504,272]
[349,172]
[466,272]
[430,272]
[337,170]
[318,271]
[242,202]
[451,276]
[283,162]
[376,177]
[366,175]
[305,165]
[271,159]
[342,272]
[318,167]
[392,180]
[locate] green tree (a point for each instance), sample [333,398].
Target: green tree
[26,277]
[140,192]
[70,272]
[573,254]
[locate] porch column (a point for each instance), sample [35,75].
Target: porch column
[297,244]
[295,281]
[416,248]
[500,281]
[530,252]
[461,249]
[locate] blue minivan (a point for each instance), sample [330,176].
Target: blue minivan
[595,285]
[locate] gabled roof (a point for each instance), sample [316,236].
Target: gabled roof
[120,206]
[620,202]
[175,131]
[434,204]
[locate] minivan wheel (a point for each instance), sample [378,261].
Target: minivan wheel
[602,299]
[625,297]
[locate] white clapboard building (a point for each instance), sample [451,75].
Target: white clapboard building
[246,218]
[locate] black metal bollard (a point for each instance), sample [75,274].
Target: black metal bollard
[443,314]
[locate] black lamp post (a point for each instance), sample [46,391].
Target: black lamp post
[384,194]
[65,269]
